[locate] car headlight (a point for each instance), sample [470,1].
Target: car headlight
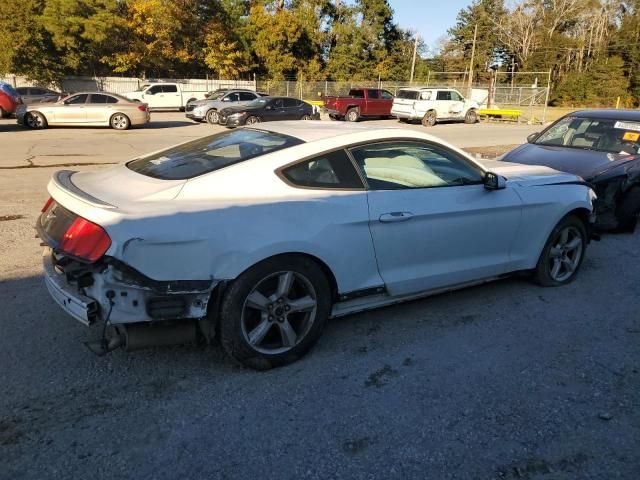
[237,115]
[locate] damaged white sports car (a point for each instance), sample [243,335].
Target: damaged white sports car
[259,235]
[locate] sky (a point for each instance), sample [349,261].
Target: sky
[430,18]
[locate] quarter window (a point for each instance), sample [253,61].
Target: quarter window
[402,165]
[327,171]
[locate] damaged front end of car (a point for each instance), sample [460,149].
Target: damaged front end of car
[618,191]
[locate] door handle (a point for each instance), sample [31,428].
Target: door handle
[396,217]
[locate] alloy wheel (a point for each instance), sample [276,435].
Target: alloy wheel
[279,312]
[119,122]
[565,253]
[34,121]
[252,120]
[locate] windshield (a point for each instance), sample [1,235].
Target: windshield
[600,134]
[142,87]
[217,95]
[210,153]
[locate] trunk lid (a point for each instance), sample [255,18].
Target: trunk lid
[116,187]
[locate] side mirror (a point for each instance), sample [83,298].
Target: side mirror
[493,181]
[533,137]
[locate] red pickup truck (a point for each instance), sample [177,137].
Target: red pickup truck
[361,102]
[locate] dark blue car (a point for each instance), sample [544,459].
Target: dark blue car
[603,147]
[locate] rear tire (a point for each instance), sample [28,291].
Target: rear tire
[353,115]
[629,210]
[273,313]
[119,121]
[430,119]
[35,120]
[563,253]
[306,117]
[3,113]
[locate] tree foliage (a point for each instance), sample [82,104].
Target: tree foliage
[591,47]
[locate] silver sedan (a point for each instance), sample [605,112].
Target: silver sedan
[85,109]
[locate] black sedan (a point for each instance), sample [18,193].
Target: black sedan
[602,146]
[267,109]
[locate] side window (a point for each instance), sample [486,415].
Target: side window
[232,97]
[155,89]
[247,96]
[169,88]
[356,93]
[327,171]
[401,165]
[443,95]
[455,96]
[291,103]
[22,90]
[77,99]
[96,98]
[373,94]
[37,91]
[387,95]
[426,95]
[276,103]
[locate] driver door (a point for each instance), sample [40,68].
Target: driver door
[73,110]
[432,221]
[274,110]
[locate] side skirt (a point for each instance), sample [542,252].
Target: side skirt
[362,304]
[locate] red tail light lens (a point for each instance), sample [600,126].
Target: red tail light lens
[47,205]
[142,108]
[86,240]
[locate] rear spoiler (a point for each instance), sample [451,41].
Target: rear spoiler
[62,180]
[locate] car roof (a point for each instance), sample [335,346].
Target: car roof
[609,114]
[309,131]
[117,95]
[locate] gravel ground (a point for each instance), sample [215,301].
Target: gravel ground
[507,381]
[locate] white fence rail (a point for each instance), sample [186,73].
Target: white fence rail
[128,84]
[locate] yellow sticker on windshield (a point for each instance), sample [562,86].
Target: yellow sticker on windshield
[631,136]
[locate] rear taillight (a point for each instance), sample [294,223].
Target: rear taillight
[142,108]
[47,205]
[85,240]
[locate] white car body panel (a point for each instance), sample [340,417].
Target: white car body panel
[215,226]
[168,100]
[409,109]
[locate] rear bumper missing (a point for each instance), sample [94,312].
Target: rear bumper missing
[79,306]
[126,296]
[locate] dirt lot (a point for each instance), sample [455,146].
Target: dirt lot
[505,381]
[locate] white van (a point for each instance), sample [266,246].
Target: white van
[431,105]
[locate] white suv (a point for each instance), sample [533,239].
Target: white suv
[431,105]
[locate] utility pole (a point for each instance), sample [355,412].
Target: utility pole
[473,54]
[413,62]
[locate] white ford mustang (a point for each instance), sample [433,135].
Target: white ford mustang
[260,234]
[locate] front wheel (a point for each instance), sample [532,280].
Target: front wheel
[119,121]
[430,118]
[35,120]
[252,120]
[273,313]
[471,116]
[213,117]
[562,254]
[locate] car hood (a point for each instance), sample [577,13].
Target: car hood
[199,103]
[529,175]
[585,163]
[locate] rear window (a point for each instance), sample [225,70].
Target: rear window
[211,153]
[408,94]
